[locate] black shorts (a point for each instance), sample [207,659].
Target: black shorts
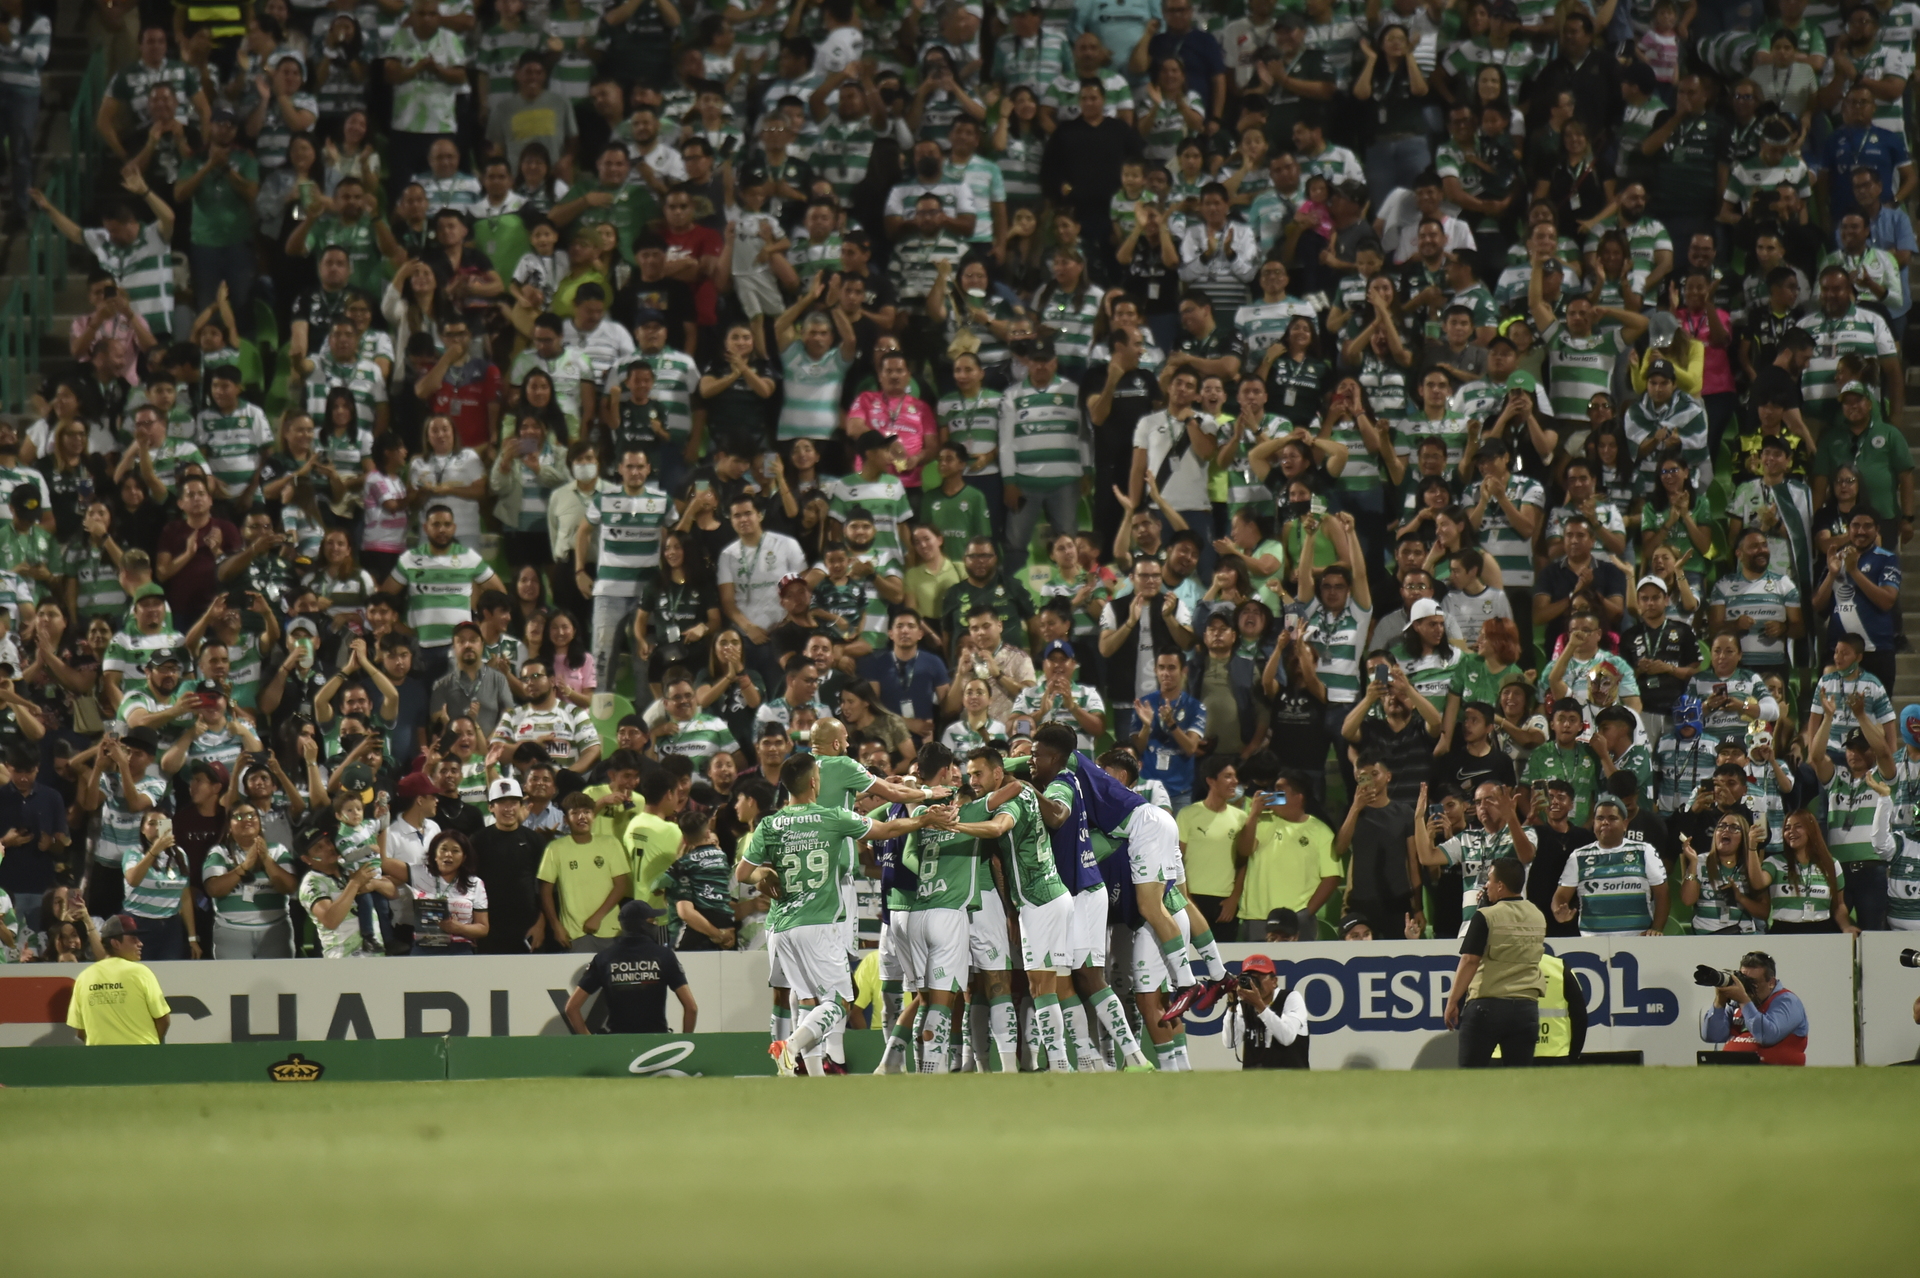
[691,941]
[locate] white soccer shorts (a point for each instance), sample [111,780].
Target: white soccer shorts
[987,943]
[933,948]
[1149,964]
[890,969]
[1153,846]
[1090,928]
[815,961]
[1046,936]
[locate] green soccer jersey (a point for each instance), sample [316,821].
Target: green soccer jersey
[96,579]
[1070,318]
[439,590]
[253,902]
[1027,852]
[974,424]
[1903,886]
[30,547]
[1577,765]
[1800,893]
[157,894]
[1684,419]
[811,847]
[232,442]
[1040,436]
[630,528]
[1580,367]
[885,498]
[1615,886]
[957,517]
[361,378]
[128,651]
[947,864]
[143,269]
[701,875]
[1512,550]
[1719,909]
[338,942]
[1416,426]
[811,409]
[1859,817]
[1839,687]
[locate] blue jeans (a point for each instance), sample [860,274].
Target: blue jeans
[1392,163]
[1062,506]
[22,130]
[232,264]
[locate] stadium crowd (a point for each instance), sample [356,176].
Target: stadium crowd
[1389,437]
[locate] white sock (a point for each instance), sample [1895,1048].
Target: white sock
[1086,1052]
[979,1037]
[1031,1057]
[780,1024]
[837,1041]
[1001,1024]
[1180,1062]
[1053,1035]
[933,1049]
[1113,1014]
[1210,961]
[812,1031]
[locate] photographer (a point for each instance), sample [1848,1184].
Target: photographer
[1263,1038]
[1753,1012]
[1499,980]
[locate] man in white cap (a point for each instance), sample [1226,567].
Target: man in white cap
[1663,652]
[507,857]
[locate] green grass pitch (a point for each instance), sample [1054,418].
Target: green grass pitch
[1593,1171]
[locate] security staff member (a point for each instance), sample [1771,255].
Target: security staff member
[1262,1038]
[1563,1014]
[635,972]
[117,1002]
[1499,973]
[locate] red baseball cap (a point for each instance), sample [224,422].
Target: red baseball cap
[1259,963]
[415,785]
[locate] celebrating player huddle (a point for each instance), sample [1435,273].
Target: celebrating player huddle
[1049,857]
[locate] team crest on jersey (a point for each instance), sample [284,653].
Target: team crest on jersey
[599,863]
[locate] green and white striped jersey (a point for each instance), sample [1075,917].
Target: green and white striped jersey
[1616,886]
[1681,767]
[1498,537]
[343,941]
[1839,687]
[676,379]
[440,590]
[143,701]
[1432,674]
[885,498]
[1062,93]
[1886,60]
[1070,321]
[630,527]
[425,104]
[1416,426]
[1261,324]
[1903,886]
[10,917]
[1719,909]
[1027,854]
[569,727]
[1644,238]
[1166,127]
[120,826]
[809,258]
[1764,598]
[1518,60]
[811,845]
[142,269]
[253,902]
[568,369]
[1040,435]
[1684,415]
[1857,332]
[96,579]
[361,377]
[701,737]
[811,409]
[127,654]
[221,747]
[33,546]
[1580,367]
[232,442]
[1475,851]
[1036,702]
[1336,640]
[844,151]
[175,456]
[156,896]
[989,187]
[1801,893]
[946,864]
[974,424]
[1363,464]
[1244,489]
[1751,176]
[1859,817]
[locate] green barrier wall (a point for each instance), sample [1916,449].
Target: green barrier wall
[410,1060]
[362,1061]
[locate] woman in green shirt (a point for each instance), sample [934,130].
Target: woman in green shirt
[1804,884]
[1673,515]
[1062,577]
[1482,676]
[1723,886]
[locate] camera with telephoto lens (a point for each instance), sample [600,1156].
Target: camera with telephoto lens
[1714,978]
[1910,958]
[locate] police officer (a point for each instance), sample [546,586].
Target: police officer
[1263,1038]
[635,972]
[1499,976]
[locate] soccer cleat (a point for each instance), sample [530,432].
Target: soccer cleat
[1210,993]
[783,1058]
[831,1066]
[1179,1004]
[1137,1063]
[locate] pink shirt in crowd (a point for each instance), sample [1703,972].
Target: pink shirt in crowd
[907,419]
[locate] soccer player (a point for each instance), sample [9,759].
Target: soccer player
[1091,1000]
[799,855]
[1032,886]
